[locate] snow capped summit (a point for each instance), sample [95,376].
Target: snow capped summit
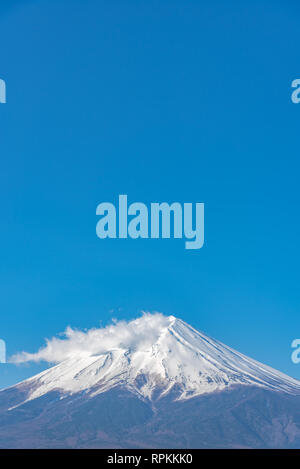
[151,356]
[151,382]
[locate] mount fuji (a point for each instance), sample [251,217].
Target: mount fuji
[153,382]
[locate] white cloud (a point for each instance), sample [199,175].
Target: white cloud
[141,331]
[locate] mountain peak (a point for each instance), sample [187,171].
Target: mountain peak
[152,355]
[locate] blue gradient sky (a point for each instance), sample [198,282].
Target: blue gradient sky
[184,101]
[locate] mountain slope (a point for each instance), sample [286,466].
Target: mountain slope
[180,388]
[179,356]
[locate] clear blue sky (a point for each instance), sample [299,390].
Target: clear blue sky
[184,101]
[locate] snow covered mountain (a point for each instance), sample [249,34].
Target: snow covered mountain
[155,375]
[179,356]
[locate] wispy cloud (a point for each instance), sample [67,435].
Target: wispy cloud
[141,331]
